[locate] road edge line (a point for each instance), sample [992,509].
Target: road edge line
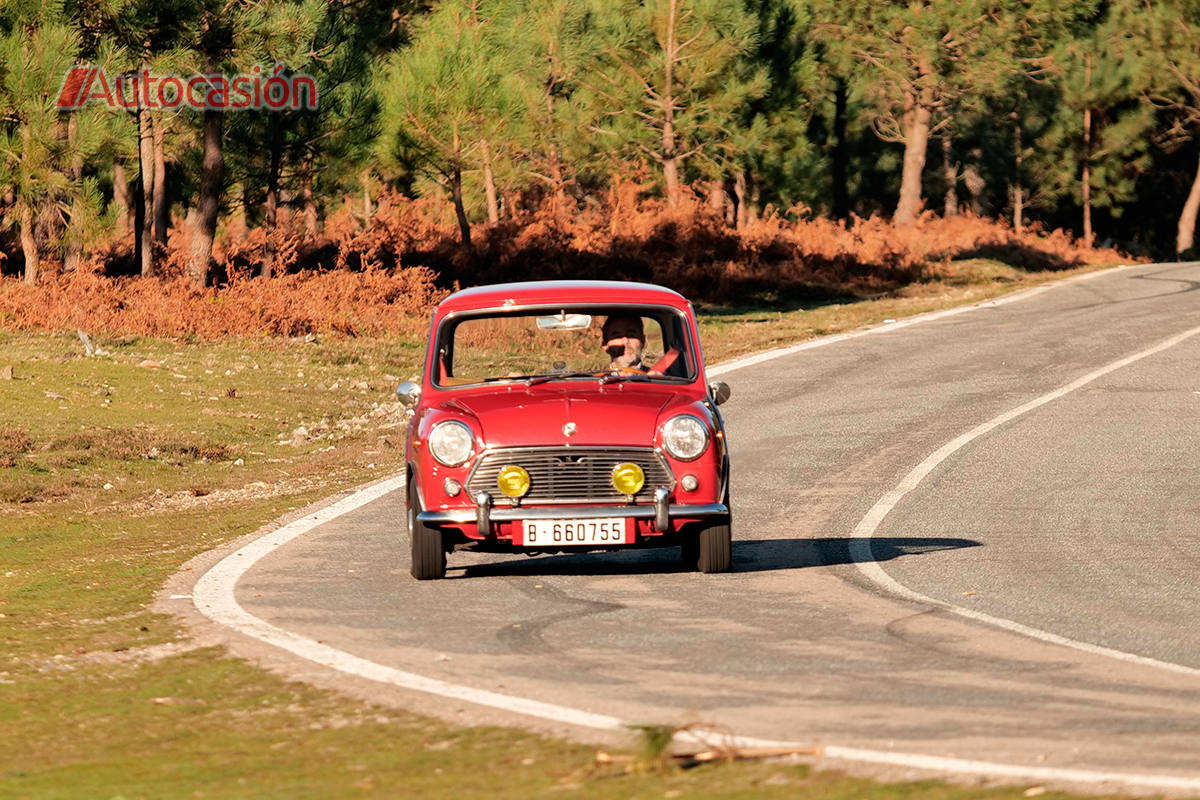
[213,597]
[864,557]
[905,322]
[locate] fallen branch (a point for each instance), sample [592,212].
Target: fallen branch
[603,757]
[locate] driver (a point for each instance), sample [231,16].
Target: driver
[624,337]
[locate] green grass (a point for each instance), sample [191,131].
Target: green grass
[114,472]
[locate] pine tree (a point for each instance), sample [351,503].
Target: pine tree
[772,149]
[276,148]
[1101,133]
[149,36]
[1173,39]
[43,150]
[671,79]
[917,64]
[449,95]
[550,140]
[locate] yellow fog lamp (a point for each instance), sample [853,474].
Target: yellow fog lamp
[628,478]
[513,481]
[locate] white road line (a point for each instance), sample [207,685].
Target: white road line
[887,327]
[214,597]
[860,545]
[1016,771]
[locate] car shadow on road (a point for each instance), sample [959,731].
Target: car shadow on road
[762,555]
[776,554]
[656,561]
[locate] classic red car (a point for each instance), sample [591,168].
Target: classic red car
[566,416]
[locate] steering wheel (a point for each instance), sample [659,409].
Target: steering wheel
[618,370]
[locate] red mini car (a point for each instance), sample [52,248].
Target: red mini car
[566,416]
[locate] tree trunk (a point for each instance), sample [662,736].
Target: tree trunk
[139,217]
[671,181]
[838,165]
[670,157]
[309,200]
[1086,188]
[464,225]
[916,141]
[558,194]
[162,216]
[145,250]
[368,212]
[73,251]
[950,176]
[743,202]
[271,214]
[975,183]
[271,211]
[29,245]
[204,226]
[1185,236]
[1018,193]
[558,183]
[716,197]
[121,197]
[1086,183]
[489,184]
[236,224]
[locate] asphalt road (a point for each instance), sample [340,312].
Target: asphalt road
[1079,518]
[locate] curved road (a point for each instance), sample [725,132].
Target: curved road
[1079,519]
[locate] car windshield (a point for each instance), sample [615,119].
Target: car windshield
[609,344]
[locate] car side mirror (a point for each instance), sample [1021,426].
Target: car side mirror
[719,390]
[408,393]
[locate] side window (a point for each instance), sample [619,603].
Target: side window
[655,340]
[666,347]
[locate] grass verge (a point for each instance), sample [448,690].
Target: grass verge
[117,468]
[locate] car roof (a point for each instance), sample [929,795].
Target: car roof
[535,293]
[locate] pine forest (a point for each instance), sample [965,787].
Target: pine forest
[384,152]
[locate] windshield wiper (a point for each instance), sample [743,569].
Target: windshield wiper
[616,377]
[554,376]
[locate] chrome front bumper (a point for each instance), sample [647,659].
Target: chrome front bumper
[484,513]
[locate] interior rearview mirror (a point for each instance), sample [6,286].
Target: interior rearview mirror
[564,322]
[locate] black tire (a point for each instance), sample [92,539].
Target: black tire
[428,552]
[716,548]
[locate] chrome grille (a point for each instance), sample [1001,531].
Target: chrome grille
[570,474]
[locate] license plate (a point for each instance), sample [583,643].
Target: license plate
[568,532]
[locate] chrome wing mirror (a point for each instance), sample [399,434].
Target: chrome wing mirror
[408,393]
[719,390]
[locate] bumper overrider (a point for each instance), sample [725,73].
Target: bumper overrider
[661,511]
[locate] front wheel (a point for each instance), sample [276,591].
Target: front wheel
[428,553]
[715,548]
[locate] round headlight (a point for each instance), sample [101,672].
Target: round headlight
[451,442]
[628,478]
[685,437]
[513,481]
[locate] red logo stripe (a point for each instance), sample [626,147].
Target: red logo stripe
[71,96]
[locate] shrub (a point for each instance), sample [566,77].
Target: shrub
[383,275]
